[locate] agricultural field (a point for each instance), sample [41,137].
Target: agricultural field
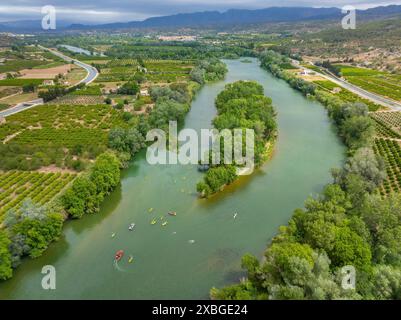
[61,117]
[391,119]
[390,150]
[117,70]
[382,83]
[168,70]
[78,99]
[387,144]
[345,95]
[8,91]
[88,91]
[156,71]
[27,57]
[20,82]
[67,136]
[16,186]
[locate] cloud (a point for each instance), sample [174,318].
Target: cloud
[100,11]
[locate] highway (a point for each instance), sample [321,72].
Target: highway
[92,74]
[378,99]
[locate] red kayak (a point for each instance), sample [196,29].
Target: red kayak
[119,255]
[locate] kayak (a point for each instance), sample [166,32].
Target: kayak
[164,223]
[150,210]
[172,213]
[153,222]
[131,227]
[119,255]
[131,259]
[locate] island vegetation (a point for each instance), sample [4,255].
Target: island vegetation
[241,105]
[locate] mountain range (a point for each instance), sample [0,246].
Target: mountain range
[230,18]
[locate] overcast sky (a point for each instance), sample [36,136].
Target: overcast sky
[100,11]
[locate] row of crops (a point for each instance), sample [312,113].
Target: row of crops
[381,83]
[83,100]
[49,137]
[390,150]
[16,186]
[157,70]
[391,119]
[383,130]
[66,117]
[345,95]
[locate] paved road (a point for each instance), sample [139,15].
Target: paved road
[383,101]
[91,76]
[92,72]
[21,107]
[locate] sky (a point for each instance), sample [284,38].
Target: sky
[104,11]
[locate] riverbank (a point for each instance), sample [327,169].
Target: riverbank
[342,214]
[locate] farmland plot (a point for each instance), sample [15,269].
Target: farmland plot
[16,186]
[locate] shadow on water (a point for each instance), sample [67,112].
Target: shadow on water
[240,185]
[90,221]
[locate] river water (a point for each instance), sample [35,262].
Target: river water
[167,264]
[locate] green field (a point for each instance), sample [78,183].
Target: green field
[346,95]
[58,124]
[156,70]
[382,83]
[20,82]
[16,186]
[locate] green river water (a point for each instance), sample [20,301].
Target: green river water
[166,265]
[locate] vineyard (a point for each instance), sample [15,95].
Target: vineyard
[156,70]
[381,83]
[59,124]
[78,99]
[345,95]
[16,186]
[390,119]
[390,150]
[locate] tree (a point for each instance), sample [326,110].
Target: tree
[6,271]
[122,140]
[357,131]
[30,87]
[366,165]
[130,87]
[81,198]
[387,282]
[350,249]
[383,219]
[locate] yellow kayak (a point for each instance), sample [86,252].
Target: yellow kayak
[164,223]
[130,260]
[154,221]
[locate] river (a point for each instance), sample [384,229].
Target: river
[167,265]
